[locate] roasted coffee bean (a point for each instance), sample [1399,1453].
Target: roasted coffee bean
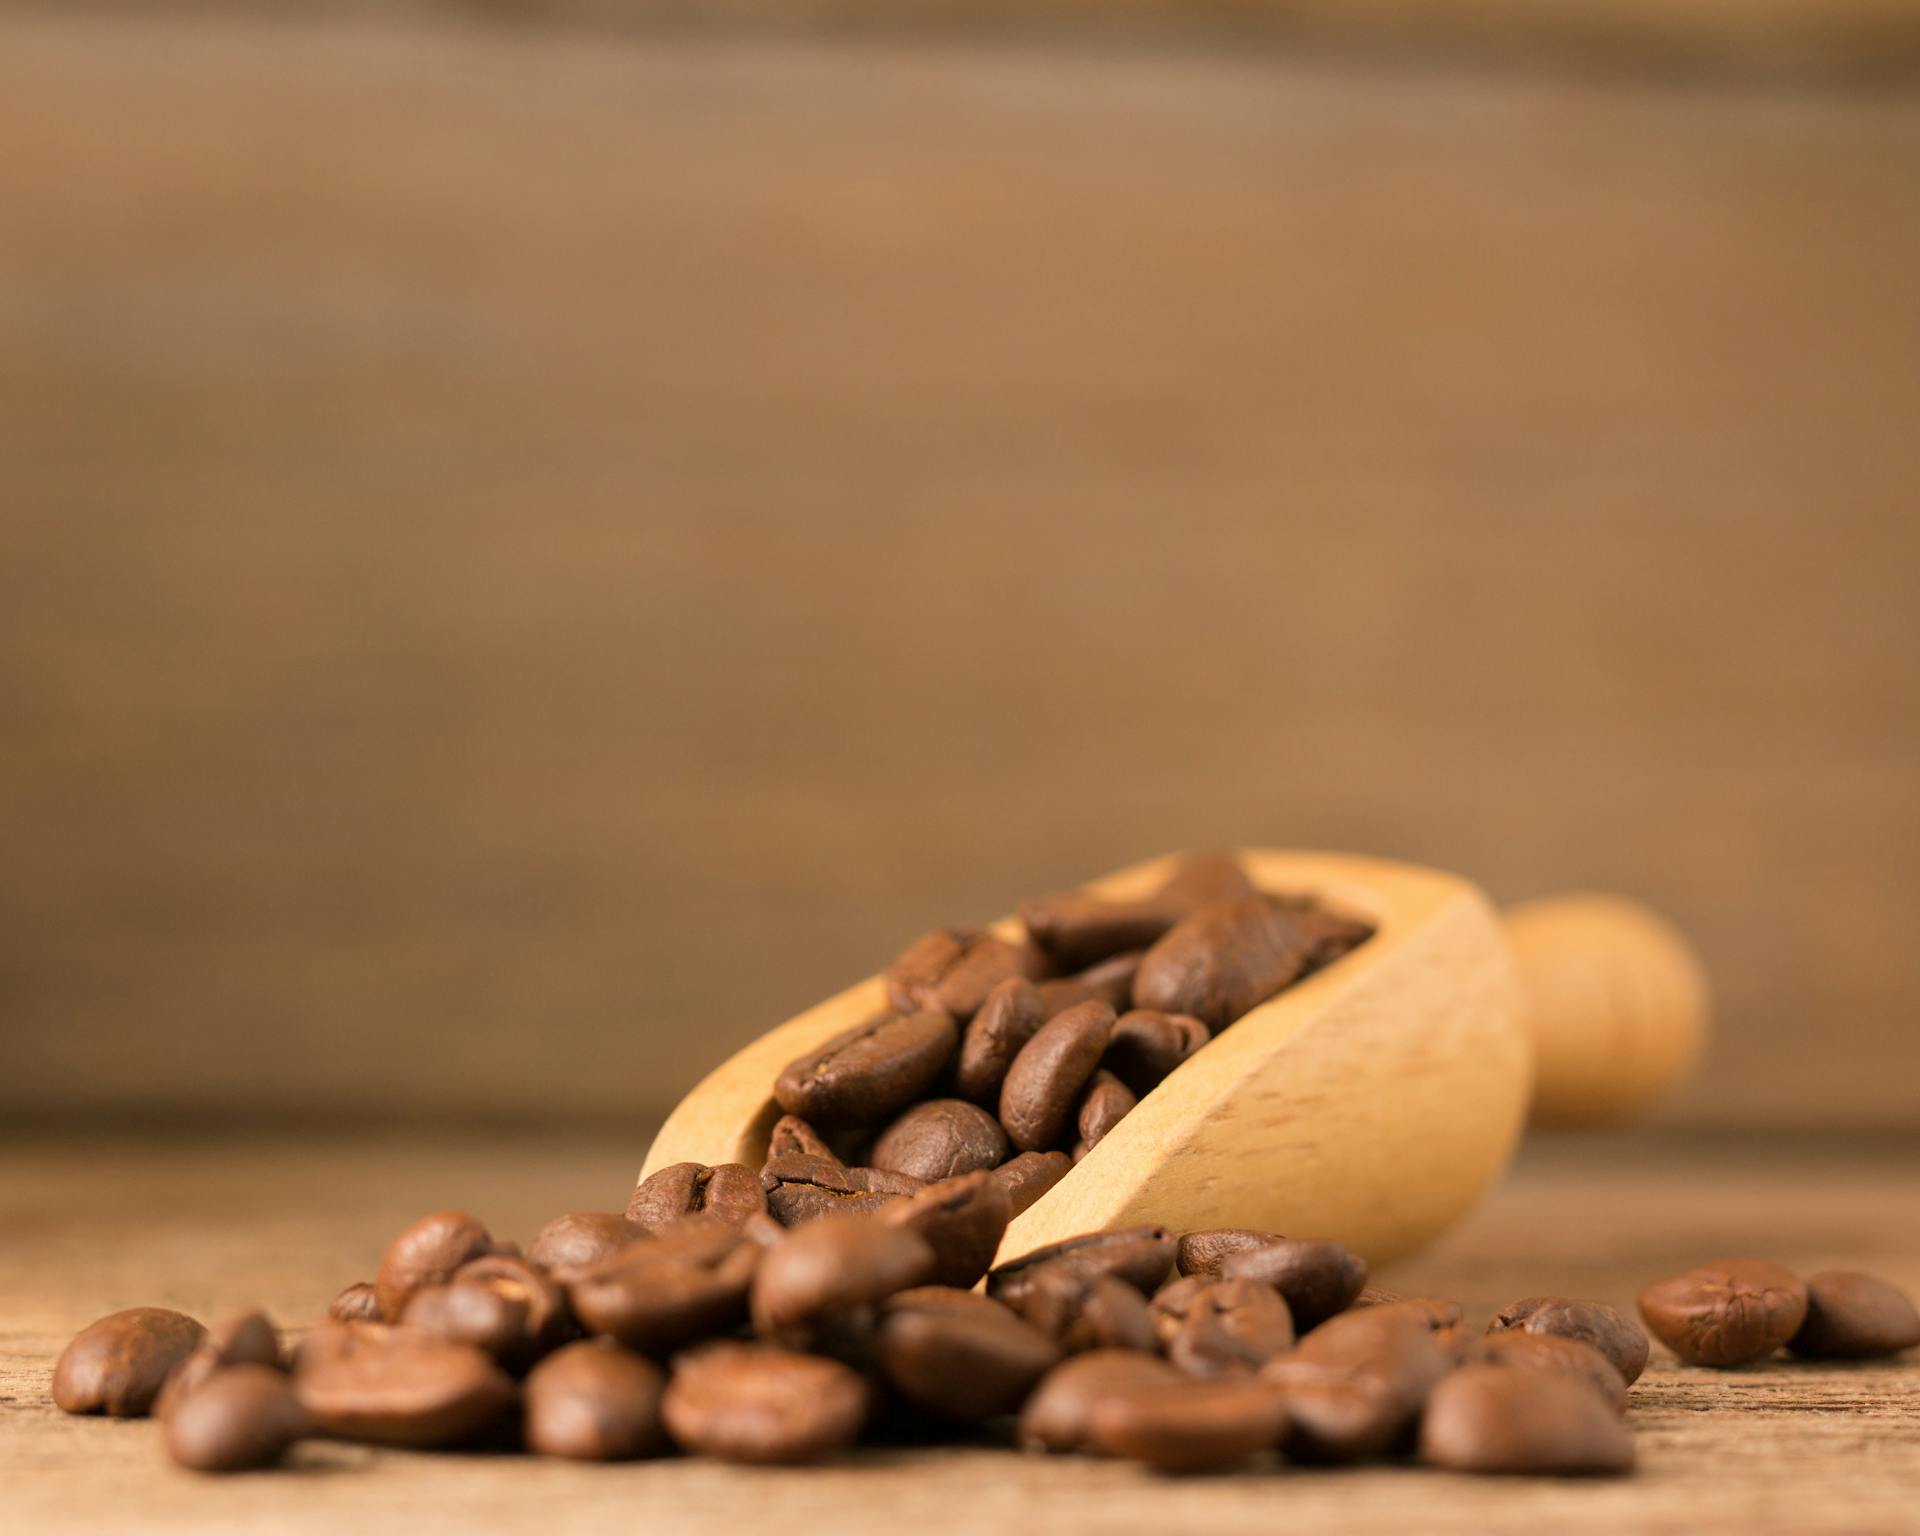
[1189,1426]
[468,1314]
[1329,935]
[1222,961]
[1486,1418]
[398,1386]
[793,1137]
[595,1400]
[1058,1414]
[1520,1350]
[542,1303]
[427,1253]
[1851,1316]
[1030,1175]
[1174,1300]
[1146,1046]
[827,1276]
[1591,1322]
[245,1339]
[571,1243]
[1110,981]
[960,1355]
[685,1284]
[1231,1327]
[953,970]
[118,1364]
[868,1074]
[940,1138]
[1078,929]
[1727,1312]
[755,1403]
[1357,1382]
[961,1219]
[1044,1084]
[1317,1278]
[1080,1309]
[801,1189]
[356,1304]
[1010,1016]
[237,1418]
[1374,1295]
[1203,1252]
[1141,1256]
[729,1193]
[1105,1104]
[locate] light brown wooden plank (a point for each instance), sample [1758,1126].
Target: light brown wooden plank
[525,561]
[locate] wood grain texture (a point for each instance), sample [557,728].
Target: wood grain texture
[525,561]
[1780,1448]
[1373,1102]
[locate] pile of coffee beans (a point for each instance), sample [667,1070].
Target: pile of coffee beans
[723,1333]
[1019,1054]
[782,1314]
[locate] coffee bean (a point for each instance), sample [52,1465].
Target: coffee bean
[1079,929]
[1355,1384]
[1105,1104]
[1109,981]
[940,1138]
[572,1242]
[595,1400]
[685,1284]
[869,1073]
[1727,1312]
[729,1193]
[1008,1018]
[355,1304]
[961,1219]
[1058,1414]
[467,1314]
[1222,961]
[1317,1278]
[1189,1426]
[245,1339]
[793,1137]
[1030,1175]
[755,1403]
[1146,1046]
[1851,1316]
[237,1418]
[1329,935]
[118,1364]
[398,1386]
[960,1355]
[427,1253]
[1373,1295]
[1519,1350]
[1081,1309]
[1141,1256]
[1591,1322]
[1174,1300]
[953,970]
[1044,1083]
[801,1189]
[827,1276]
[1486,1418]
[1203,1252]
[497,1303]
[1231,1327]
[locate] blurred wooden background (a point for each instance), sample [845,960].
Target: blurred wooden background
[528,554]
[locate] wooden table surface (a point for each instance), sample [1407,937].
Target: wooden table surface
[94,1224]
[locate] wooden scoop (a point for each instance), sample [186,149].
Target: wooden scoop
[1372,1102]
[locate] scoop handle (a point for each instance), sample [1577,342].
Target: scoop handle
[1616,1001]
